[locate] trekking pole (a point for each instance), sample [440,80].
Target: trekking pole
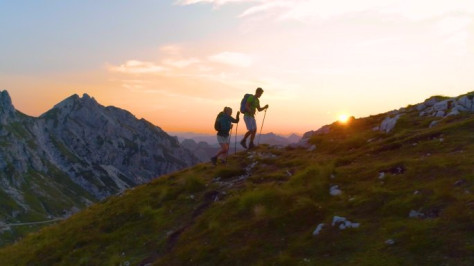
[258,142]
[236,132]
[228,146]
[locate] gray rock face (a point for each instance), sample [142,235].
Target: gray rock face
[389,123]
[7,111]
[115,143]
[447,107]
[77,153]
[434,107]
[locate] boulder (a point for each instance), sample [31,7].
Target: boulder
[465,102]
[440,114]
[460,107]
[442,106]
[454,112]
[421,106]
[318,229]
[343,223]
[389,123]
[335,191]
[430,102]
[434,123]
[415,214]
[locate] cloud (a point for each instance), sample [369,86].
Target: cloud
[223,67]
[215,2]
[421,10]
[232,58]
[266,6]
[171,49]
[137,67]
[181,63]
[295,9]
[307,10]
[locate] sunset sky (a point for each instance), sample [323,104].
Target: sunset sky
[177,63]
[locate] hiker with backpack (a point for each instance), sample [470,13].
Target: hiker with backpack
[223,125]
[249,105]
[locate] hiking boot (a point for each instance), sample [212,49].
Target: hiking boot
[251,145]
[214,160]
[242,142]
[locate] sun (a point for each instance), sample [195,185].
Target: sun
[343,118]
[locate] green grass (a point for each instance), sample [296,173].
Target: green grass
[263,206]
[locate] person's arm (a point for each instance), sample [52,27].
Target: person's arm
[235,120]
[261,109]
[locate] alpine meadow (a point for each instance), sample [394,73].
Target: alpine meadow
[390,189]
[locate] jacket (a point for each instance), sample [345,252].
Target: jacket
[225,122]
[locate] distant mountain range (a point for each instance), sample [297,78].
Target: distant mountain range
[75,154]
[205,146]
[266,138]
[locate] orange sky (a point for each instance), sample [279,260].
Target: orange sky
[178,63]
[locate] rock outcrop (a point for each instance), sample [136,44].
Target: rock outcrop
[437,107]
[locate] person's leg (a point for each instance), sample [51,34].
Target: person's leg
[253,132]
[219,152]
[252,137]
[248,124]
[243,142]
[225,150]
[247,135]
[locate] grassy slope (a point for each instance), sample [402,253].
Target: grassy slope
[215,216]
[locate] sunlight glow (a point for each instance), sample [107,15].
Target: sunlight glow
[343,118]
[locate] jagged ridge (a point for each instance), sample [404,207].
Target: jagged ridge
[75,154]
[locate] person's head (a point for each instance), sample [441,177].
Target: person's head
[258,92]
[228,110]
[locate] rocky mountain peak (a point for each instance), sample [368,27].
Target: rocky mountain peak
[77,106]
[5,100]
[6,107]
[88,100]
[67,104]
[75,102]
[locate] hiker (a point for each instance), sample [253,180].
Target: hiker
[223,125]
[251,105]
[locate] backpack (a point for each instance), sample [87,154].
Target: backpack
[244,102]
[217,123]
